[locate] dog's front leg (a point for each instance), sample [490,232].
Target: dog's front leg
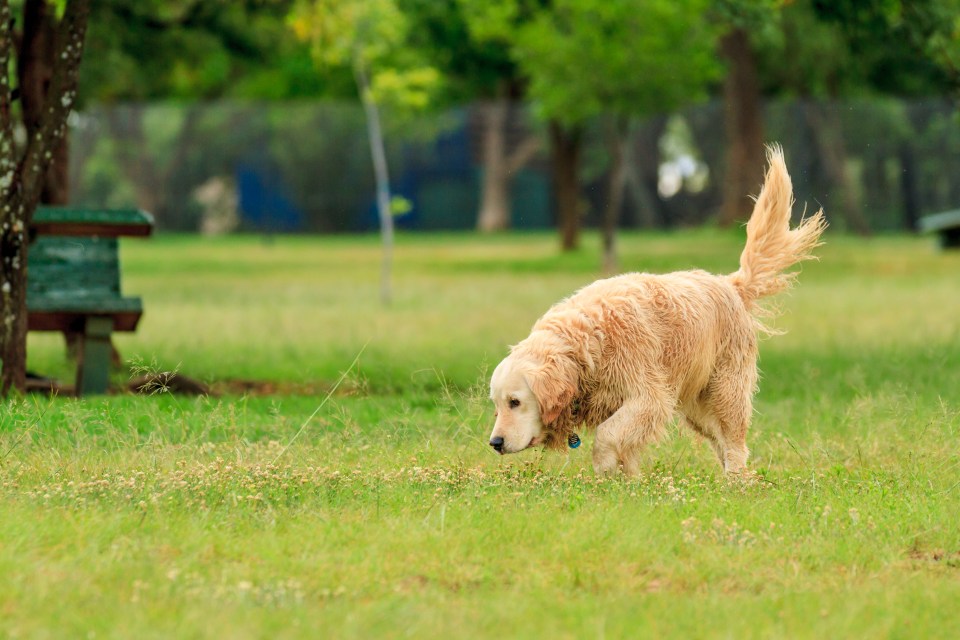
[621,437]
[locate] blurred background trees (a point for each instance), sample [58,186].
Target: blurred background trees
[542,113]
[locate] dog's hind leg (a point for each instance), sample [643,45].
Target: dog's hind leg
[621,437]
[729,401]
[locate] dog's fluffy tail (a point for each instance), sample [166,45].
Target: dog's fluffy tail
[772,246]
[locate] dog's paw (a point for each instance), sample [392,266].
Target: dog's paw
[743,476]
[605,464]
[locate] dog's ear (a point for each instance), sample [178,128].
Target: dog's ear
[555,385]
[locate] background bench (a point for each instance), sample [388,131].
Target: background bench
[946,225]
[73,282]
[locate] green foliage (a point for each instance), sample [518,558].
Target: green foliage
[761,20]
[409,89]
[400,205]
[497,20]
[812,57]
[849,47]
[344,31]
[367,35]
[577,57]
[473,65]
[191,49]
[584,57]
[752,16]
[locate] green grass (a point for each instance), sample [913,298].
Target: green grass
[387,516]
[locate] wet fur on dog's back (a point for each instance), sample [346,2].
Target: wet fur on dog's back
[625,353]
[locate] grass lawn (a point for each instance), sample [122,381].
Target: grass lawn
[386,515]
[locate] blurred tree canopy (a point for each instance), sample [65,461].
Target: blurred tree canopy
[825,50]
[198,49]
[899,47]
[580,65]
[581,58]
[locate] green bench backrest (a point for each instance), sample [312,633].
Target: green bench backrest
[61,268]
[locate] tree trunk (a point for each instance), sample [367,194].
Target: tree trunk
[495,195]
[381,177]
[744,126]
[642,162]
[565,147]
[12,232]
[23,172]
[500,164]
[909,188]
[13,321]
[34,71]
[35,65]
[827,135]
[617,141]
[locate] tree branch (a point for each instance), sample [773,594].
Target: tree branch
[523,154]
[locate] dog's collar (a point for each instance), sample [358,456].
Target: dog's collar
[573,440]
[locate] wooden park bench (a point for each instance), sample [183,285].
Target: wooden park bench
[73,282]
[946,225]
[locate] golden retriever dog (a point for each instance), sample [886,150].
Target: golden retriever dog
[627,353]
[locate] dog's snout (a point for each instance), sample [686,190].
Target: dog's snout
[497,444]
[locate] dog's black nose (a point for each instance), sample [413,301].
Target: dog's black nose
[497,444]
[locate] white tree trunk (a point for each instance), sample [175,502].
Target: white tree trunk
[381,176]
[499,166]
[495,195]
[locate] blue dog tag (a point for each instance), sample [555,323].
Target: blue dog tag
[573,440]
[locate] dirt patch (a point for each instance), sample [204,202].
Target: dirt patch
[180,384]
[937,556]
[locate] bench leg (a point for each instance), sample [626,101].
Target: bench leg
[950,238]
[93,371]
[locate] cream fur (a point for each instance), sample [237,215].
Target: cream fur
[627,353]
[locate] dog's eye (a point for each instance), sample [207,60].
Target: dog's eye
[514,403]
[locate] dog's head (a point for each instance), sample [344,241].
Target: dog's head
[529,396]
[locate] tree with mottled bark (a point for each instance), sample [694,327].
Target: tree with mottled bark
[27,148]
